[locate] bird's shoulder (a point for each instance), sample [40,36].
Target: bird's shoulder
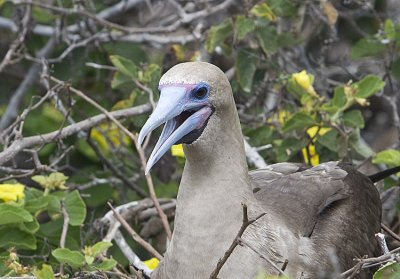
[298,194]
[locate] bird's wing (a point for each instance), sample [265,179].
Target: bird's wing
[299,196]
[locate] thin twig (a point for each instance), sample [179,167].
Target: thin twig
[362,263]
[285,263]
[135,235]
[129,254]
[18,145]
[64,231]
[30,78]
[115,170]
[246,222]
[390,232]
[18,41]
[380,238]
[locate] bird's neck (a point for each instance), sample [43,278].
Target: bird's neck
[215,183]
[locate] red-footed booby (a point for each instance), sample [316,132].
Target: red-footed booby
[319,219]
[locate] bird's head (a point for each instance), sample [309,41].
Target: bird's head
[191,96]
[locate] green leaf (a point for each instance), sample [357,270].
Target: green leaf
[243,26]
[13,237]
[30,227]
[99,195]
[245,68]
[268,39]
[390,270]
[396,68]
[287,39]
[283,8]
[13,214]
[390,30]
[45,273]
[54,207]
[152,75]
[89,259]
[217,35]
[2,2]
[32,193]
[368,86]
[119,79]
[262,10]
[124,65]
[298,121]
[37,205]
[260,136]
[359,146]
[330,140]
[76,208]
[354,119]
[390,157]
[100,247]
[42,15]
[106,264]
[55,180]
[367,47]
[339,98]
[65,256]
[289,148]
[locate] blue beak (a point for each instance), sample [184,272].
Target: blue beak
[174,101]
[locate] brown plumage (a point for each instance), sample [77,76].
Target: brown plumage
[319,219]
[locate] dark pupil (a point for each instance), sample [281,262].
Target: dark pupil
[201,92]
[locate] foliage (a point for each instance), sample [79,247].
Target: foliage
[21,231]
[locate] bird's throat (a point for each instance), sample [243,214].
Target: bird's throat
[209,210]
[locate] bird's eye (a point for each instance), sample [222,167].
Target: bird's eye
[201,92]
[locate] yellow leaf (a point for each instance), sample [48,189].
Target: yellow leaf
[179,52]
[310,155]
[177,151]
[12,192]
[108,136]
[281,116]
[315,160]
[264,11]
[152,263]
[362,102]
[312,131]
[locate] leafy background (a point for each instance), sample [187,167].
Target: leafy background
[313,80]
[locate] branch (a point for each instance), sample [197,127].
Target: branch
[20,144]
[130,255]
[101,20]
[135,235]
[246,222]
[362,263]
[30,78]
[380,238]
[390,232]
[115,170]
[64,231]
[18,41]
[253,156]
